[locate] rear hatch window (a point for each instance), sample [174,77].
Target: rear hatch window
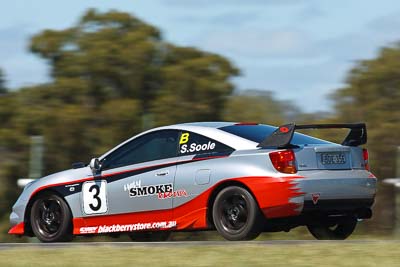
[257,133]
[313,154]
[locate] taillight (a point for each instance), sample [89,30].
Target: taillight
[284,161]
[366,158]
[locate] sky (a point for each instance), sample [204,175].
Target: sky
[299,49]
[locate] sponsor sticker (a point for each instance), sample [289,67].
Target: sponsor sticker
[127,227]
[134,184]
[163,191]
[88,230]
[71,187]
[194,147]
[189,147]
[174,194]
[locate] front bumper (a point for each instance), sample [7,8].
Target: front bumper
[18,229]
[17,216]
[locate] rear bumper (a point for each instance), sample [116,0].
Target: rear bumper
[313,191]
[320,199]
[337,204]
[361,208]
[325,210]
[338,188]
[339,195]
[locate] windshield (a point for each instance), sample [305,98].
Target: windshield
[259,132]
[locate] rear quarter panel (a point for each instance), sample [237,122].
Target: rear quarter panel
[276,193]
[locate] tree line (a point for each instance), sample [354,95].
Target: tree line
[113,75]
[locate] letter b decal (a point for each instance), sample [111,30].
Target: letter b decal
[184,138]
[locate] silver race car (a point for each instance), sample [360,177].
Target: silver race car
[238,178]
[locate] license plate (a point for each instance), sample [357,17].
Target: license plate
[333,158]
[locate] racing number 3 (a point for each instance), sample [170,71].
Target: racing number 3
[94,197]
[96,188]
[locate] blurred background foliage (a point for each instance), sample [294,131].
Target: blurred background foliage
[114,76]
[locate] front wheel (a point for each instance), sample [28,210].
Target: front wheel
[51,219]
[333,230]
[236,214]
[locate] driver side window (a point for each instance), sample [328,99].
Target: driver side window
[152,146]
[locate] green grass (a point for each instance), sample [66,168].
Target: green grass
[316,254]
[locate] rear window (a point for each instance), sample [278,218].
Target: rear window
[259,132]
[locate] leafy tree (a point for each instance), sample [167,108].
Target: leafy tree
[114,53]
[259,106]
[372,95]
[195,86]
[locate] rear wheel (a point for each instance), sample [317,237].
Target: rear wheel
[150,236]
[236,214]
[50,219]
[333,230]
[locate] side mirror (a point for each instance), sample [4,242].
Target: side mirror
[95,165]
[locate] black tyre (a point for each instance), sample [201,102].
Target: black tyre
[50,219]
[236,214]
[150,236]
[333,230]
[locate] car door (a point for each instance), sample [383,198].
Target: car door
[134,178]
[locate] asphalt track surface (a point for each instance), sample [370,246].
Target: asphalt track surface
[189,243]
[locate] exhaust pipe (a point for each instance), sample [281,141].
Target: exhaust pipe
[365,213]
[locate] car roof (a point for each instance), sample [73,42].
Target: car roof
[211,130]
[211,124]
[207,129]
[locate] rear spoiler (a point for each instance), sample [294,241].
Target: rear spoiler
[282,136]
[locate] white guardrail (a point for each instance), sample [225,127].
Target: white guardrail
[392,181]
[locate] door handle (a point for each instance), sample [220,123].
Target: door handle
[162,173]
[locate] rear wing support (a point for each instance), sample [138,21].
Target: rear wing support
[282,136]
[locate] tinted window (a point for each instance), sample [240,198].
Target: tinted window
[258,133]
[192,143]
[152,146]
